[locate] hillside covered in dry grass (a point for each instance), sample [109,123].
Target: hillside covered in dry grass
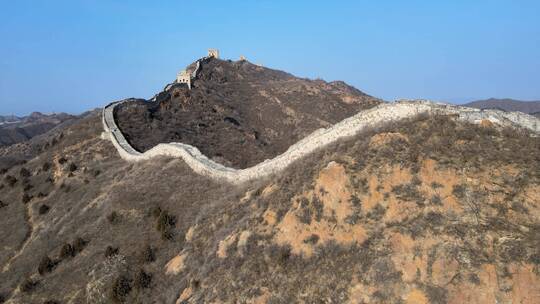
[425,211]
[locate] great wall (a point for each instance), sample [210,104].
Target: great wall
[374,117]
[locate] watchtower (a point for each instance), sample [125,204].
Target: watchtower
[213,53]
[184,77]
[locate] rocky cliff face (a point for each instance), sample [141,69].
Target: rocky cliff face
[239,113]
[430,210]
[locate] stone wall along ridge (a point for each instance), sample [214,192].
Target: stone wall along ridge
[374,117]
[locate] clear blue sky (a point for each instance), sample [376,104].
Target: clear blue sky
[76,55]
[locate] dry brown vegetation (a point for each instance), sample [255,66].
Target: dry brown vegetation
[426,211]
[239,113]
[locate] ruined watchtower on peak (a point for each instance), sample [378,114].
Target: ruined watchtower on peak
[184,77]
[213,53]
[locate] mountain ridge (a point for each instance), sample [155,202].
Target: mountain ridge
[14,129]
[239,113]
[506,104]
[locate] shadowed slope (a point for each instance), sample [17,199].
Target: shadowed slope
[239,114]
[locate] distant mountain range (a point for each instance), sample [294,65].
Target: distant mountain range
[9,119]
[14,129]
[506,104]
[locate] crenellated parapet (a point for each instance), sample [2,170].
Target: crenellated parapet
[377,116]
[184,77]
[187,77]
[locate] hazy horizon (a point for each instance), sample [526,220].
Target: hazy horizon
[75,56]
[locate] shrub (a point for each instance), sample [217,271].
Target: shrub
[473,278]
[72,167]
[51,302]
[10,180]
[377,212]
[355,201]
[280,254]
[148,254]
[3,171]
[67,251]
[143,279]
[459,190]
[43,209]
[79,244]
[65,187]
[535,258]
[318,208]
[436,200]
[312,239]
[26,198]
[26,184]
[120,289]
[46,166]
[62,160]
[71,250]
[353,218]
[436,294]
[304,215]
[165,224]
[111,251]
[310,210]
[155,211]
[46,265]
[408,192]
[2,298]
[434,219]
[436,185]
[114,218]
[28,285]
[2,204]
[24,173]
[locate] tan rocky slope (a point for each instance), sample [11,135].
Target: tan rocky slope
[430,210]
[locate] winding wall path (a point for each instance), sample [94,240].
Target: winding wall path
[373,117]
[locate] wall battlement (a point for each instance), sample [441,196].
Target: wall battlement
[213,53]
[377,116]
[186,77]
